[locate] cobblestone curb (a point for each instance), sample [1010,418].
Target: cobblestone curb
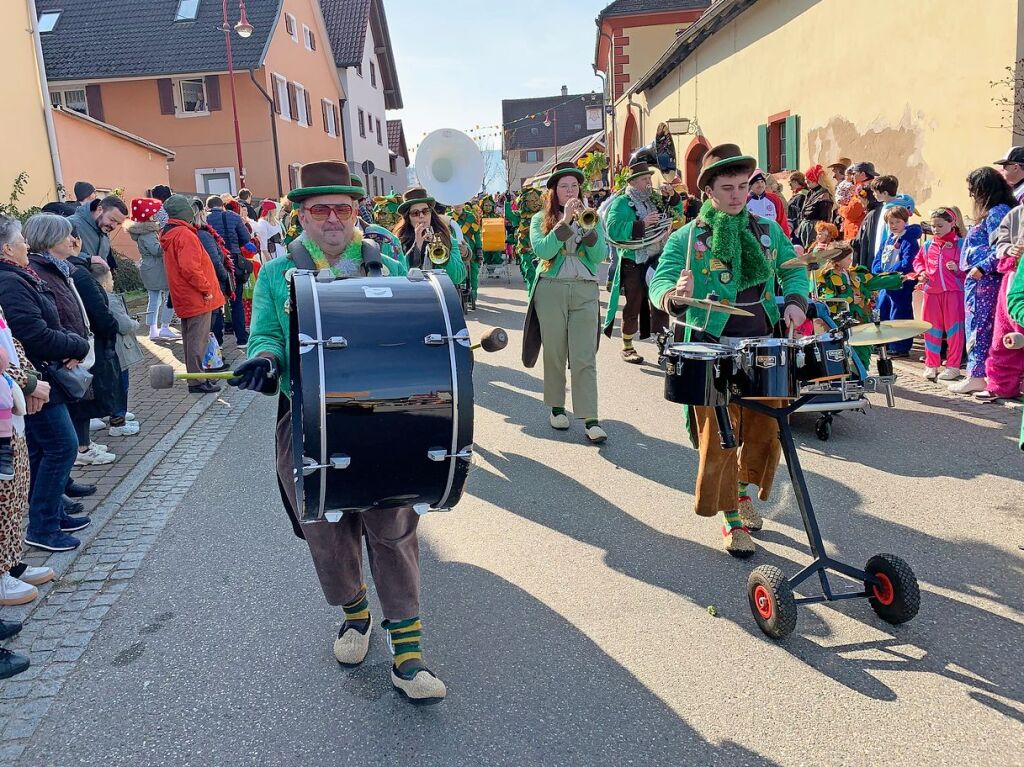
[66,618]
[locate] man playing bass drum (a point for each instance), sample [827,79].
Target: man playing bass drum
[738,256]
[326,204]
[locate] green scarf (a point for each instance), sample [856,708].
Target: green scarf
[734,244]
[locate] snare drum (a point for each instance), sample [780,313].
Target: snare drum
[382,393]
[698,373]
[766,369]
[822,358]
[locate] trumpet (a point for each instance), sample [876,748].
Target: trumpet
[436,250]
[587,219]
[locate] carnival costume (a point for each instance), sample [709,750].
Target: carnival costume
[739,258]
[528,203]
[624,221]
[468,219]
[981,295]
[943,306]
[488,209]
[336,547]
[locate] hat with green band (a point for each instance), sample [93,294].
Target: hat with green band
[413,196]
[325,177]
[564,169]
[722,158]
[638,169]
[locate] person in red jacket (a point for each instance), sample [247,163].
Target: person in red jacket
[193,284]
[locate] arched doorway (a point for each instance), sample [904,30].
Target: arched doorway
[694,157]
[630,137]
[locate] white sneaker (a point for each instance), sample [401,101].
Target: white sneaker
[98,446]
[130,429]
[37,576]
[130,416]
[969,385]
[596,434]
[96,423]
[930,374]
[94,457]
[15,592]
[560,421]
[951,374]
[169,332]
[154,332]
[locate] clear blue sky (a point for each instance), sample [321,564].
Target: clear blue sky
[458,59]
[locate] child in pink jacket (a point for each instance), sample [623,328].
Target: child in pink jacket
[938,269]
[1004,368]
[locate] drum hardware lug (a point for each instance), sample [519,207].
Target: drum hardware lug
[332,516]
[801,358]
[421,508]
[436,339]
[415,275]
[439,454]
[338,461]
[325,275]
[306,343]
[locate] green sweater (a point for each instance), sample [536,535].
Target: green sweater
[549,249]
[268,331]
[1015,308]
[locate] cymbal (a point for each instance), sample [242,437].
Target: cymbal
[888,332]
[713,306]
[813,259]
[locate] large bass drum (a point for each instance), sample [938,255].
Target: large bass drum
[382,394]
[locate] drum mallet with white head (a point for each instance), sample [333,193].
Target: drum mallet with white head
[164,376]
[494,340]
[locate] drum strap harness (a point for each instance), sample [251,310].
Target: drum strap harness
[372,263]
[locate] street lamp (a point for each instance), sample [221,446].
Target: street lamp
[244,30]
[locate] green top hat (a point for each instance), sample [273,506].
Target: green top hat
[638,169]
[563,169]
[415,195]
[721,157]
[325,177]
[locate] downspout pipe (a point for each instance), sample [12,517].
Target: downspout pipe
[44,92]
[273,130]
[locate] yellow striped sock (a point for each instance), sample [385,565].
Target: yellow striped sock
[359,608]
[404,638]
[627,341]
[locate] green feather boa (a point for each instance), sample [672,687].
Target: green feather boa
[733,243]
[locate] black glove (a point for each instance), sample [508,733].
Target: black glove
[257,374]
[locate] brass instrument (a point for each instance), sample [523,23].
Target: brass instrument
[436,251]
[587,219]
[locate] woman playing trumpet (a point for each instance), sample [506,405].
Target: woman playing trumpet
[564,310]
[426,239]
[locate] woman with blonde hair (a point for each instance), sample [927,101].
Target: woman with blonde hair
[269,231]
[818,204]
[563,315]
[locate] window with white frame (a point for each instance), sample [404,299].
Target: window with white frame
[187,10]
[48,21]
[281,97]
[302,118]
[330,117]
[73,99]
[190,97]
[290,27]
[308,39]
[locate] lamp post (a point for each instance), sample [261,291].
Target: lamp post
[244,30]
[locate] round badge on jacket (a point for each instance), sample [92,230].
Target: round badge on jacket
[766,240]
[725,277]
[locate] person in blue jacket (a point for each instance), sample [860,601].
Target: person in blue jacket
[897,254]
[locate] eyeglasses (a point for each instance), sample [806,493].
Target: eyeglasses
[322,211]
[417,212]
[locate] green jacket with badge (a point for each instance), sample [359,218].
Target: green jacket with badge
[711,275]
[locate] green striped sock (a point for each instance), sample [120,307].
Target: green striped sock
[404,639]
[357,612]
[558,411]
[591,422]
[731,520]
[742,486]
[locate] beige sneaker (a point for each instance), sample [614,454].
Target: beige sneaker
[951,374]
[560,421]
[738,542]
[596,434]
[749,515]
[417,684]
[350,647]
[969,385]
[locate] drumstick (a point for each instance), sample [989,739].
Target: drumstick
[164,376]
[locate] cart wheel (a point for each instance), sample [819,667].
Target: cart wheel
[771,601]
[823,428]
[897,598]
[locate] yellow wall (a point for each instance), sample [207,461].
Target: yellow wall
[22,129]
[912,95]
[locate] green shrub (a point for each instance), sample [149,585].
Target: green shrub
[127,278]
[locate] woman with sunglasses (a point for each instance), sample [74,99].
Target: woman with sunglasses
[420,221]
[563,315]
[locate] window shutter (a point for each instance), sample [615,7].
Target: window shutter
[762,146]
[323,113]
[522,157]
[312,40]
[337,120]
[213,93]
[792,142]
[275,96]
[95,101]
[165,88]
[309,108]
[293,102]
[540,155]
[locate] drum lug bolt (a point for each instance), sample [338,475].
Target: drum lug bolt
[437,339]
[337,461]
[334,342]
[439,454]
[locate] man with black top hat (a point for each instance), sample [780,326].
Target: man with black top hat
[630,216]
[737,256]
[1012,168]
[326,201]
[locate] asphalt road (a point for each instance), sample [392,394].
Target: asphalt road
[565,604]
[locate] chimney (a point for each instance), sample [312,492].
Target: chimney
[565,90]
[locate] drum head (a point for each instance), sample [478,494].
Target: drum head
[698,350]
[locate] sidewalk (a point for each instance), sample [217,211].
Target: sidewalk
[164,416]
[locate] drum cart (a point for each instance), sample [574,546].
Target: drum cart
[886,581]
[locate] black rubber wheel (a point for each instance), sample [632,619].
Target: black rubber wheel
[823,428]
[897,599]
[771,601]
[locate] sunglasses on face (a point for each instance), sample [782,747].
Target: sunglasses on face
[417,212]
[322,211]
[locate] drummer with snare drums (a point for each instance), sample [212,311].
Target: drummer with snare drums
[736,256]
[326,201]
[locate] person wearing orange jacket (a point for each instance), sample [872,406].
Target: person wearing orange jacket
[193,284]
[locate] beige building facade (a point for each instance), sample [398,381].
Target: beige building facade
[798,82]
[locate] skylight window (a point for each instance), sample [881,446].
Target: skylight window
[48,20]
[187,10]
